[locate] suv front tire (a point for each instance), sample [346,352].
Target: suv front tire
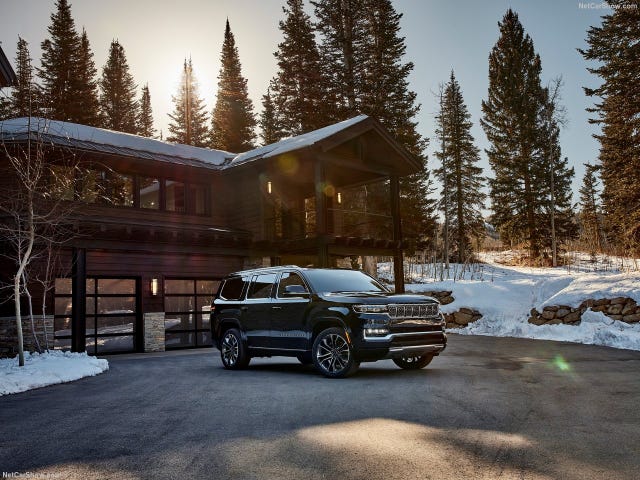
[332,354]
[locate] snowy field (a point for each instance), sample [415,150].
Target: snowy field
[47,369]
[505,296]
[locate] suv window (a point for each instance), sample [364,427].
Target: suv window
[261,285]
[232,289]
[289,278]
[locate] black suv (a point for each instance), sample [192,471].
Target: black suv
[332,318]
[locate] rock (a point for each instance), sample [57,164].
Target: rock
[534,312]
[446,300]
[555,321]
[587,303]
[618,301]
[476,317]
[462,318]
[537,320]
[632,318]
[563,312]
[629,308]
[599,308]
[468,311]
[572,317]
[453,325]
[602,301]
[551,308]
[548,314]
[615,317]
[615,309]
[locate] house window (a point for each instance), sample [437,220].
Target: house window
[187,306]
[175,195]
[149,192]
[117,189]
[199,199]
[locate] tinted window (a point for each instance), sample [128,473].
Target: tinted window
[342,281]
[261,286]
[232,289]
[289,278]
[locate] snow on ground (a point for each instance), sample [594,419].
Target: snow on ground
[45,369]
[505,296]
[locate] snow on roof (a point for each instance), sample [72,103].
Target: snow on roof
[94,138]
[295,143]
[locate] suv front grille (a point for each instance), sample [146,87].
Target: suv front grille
[412,310]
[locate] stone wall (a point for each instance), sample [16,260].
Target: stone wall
[9,335]
[154,332]
[459,319]
[619,308]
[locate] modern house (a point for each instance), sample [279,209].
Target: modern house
[156,225]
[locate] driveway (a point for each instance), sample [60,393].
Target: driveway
[486,408]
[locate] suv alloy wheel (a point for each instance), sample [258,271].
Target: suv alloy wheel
[332,354]
[233,351]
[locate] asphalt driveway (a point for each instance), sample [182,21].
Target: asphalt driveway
[486,408]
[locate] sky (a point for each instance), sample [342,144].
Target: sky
[441,35]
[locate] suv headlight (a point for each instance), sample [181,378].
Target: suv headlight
[370,308]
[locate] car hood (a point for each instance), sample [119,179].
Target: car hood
[373,298]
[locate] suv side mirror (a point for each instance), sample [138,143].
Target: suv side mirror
[295,291]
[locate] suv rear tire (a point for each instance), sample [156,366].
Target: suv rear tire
[233,351]
[332,354]
[413,363]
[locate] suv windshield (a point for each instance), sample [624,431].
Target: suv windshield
[342,281]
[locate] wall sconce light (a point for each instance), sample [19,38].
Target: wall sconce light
[269,187]
[154,287]
[339,198]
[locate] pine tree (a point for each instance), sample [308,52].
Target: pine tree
[556,220]
[343,38]
[118,104]
[616,47]
[189,118]
[145,119]
[462,180]
[299,87]
[232,121]
[24,95]
[59,65]
[385,96]
[591,232]
[86,106]
[269,128]
[510,121]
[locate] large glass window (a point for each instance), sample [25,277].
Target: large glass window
[149,192]
[199,199]
[187,305]
[117,189]
[175,195]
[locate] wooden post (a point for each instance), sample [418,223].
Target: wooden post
[78,298]
[321,214]
[398,259]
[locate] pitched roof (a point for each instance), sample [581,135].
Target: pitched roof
[7,75]
[295,143]
[87,138]
[107,141]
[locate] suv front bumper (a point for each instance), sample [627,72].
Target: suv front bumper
[402,344]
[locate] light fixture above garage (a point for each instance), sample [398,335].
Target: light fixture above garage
[154,287]
[269,187]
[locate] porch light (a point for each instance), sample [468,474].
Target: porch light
[269,187]
[339,198]
[154,287]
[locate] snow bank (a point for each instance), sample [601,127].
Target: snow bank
[505,295]
[45,369]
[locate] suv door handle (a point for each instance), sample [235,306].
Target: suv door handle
[276,308]
[244,309]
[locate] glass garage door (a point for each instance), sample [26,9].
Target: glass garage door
[187,305]
[112,310]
